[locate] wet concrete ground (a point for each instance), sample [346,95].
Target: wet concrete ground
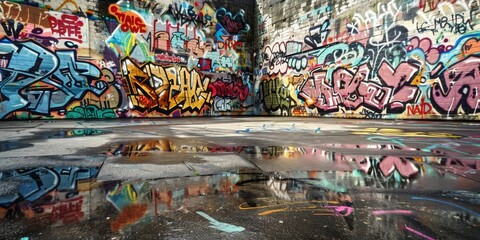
[239,178]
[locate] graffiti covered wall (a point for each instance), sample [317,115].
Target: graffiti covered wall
[137,58]
[401,59]
[408,59]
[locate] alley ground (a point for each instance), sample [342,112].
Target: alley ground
[239,178]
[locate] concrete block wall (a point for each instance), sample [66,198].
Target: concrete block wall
[129,58]
[396,59]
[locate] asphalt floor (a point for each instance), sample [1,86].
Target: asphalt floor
[239,178]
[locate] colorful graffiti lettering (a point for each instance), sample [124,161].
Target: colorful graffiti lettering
[423,108]
[39,80]
[458,87]
[234,89]
[67,27]
[352,90]
[179,39]
[276,96]
[378,64]
[129,20]
[153,87]
[63,62]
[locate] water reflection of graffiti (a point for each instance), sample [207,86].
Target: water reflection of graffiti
[298,195]
[170,195]
[37,182]
[388,165]
[127,199]
[38,80]
[50,193]
[394,132]
[137,149]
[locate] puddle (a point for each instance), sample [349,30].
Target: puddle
[69,196]
[50,202]
[272,152]
[380,161]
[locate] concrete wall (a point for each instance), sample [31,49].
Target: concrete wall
[369,59]
[137,58]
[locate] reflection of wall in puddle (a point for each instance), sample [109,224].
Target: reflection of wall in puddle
[298,194]
[57,207]
[170,194]
[378,165]
[137,149]
[308,188]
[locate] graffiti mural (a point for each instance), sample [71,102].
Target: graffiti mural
[392,59]
[156,88]
[126,59]
[37,79]
[397,59]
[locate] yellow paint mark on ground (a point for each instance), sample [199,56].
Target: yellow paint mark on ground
[392,132]
[272,211]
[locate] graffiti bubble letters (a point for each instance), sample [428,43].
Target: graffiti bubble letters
[152,87]
[234,89]
[276,96]
[129,21]
[41,80]
[458,86]
[351,89]
[275,58]
[68,27]
[233,24]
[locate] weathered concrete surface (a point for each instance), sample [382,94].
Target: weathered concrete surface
[254,178]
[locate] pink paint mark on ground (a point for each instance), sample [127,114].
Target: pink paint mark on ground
[385,212]
[419,233]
